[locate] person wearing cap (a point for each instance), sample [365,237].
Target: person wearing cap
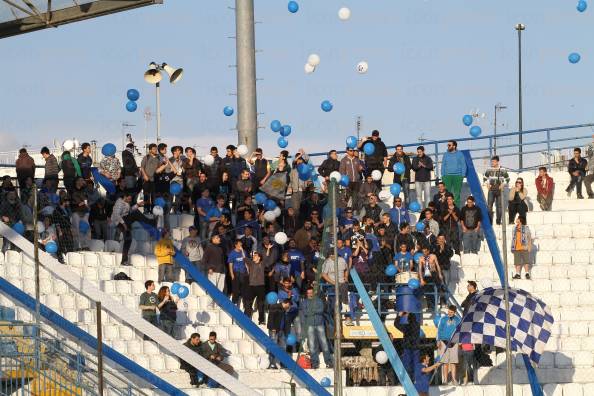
[379,159]
[129,167]
[352,167]
[261,168]
[164,251]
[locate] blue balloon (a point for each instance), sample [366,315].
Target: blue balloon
[269,204]
[327,106]
[228,111]
[131,106]
[51,247]
[369,149]
[414,283]
[475,131]
[261,198]
[272,298]
[293,7]
[108,149]
[133,94]
[282,142]
[395,189]
[286,130]
[276,125]
[414,206]
[175,188]
[420,226]
[391,270]
[399,168]
[351,142]
[175,288]
[582,5]
[417,257]
[574,57]
[183,292]
[19,228]
[467,120]
[291,339]
[84,227]
[160,202]
[344,180]
[325,382]
[304,171]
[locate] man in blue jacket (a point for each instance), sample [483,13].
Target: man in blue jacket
[453,170]
[311,314]
[448,351]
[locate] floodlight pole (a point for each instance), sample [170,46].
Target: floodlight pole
[520,27]
[337,304]
[245,41]
[158,89]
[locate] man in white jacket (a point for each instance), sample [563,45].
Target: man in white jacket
[192,249]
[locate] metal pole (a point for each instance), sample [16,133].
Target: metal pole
[99,348]
[495,132]
[245,41]
[520,27]
[37,290]
[337,306]
[509,391]
[158,88]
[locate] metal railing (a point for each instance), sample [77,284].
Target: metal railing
[33,361]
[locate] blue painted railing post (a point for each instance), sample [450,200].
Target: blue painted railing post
[477,191]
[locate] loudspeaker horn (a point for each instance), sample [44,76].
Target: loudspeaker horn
[174,74]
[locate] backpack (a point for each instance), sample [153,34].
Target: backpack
[121,276]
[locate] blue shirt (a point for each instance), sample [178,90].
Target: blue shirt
[206,204]
[446,327]
[421,378]
[281,271]
[283,295]
[399,216]
[237,259]
[453,163]
[215,211]
[296,258]
[346,253]
[403,261]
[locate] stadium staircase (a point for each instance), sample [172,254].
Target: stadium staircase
[563,277]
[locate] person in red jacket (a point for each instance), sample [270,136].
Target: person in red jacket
[545,187]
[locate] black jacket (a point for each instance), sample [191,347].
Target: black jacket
[405,159]
[376,160]
[276,314]
[328,166]
[194,348]
[422,174]
[466,303]
[443,256]
[577,166]
[214,258]
[129,164]
[410,330]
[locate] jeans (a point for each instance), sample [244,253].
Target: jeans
[239,288]
[471,241]
[101,229]
[494,197]
[218,280]
[257,293]
[423,190]
[547,201]
[469,366]
[279,339]
[516,208]
[316,340]
[453,184]
[405,190]
[353,194]
[166,273]
[168,326]
[410,358]
[576,181]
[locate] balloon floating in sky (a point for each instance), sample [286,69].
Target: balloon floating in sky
[475,131]
[293,7]
[228,111]
[369,148]
[133,94]
[131,106]
[467,120]
[309,68]
[286,130]
[313,59]
[362,67]
[282,142]
[344,14]
[574,57]
[582,5]
[276,125]
[327,106]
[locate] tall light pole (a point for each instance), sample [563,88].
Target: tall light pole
[153,76]
[498,108]
[520,27]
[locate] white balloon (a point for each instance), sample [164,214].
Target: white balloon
[208,160]
[313,60]
[362,67]
[68,145]
[277,211]
[269,216]
[281,238]
[309,68]
[40,227]
[344,14]
[157,211]
[384,195]
[242,149]
[376,175]
[486,282]
[381,357]
[335,176]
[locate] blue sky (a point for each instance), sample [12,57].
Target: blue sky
[430,62]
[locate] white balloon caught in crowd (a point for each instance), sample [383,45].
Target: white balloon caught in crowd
[208,160]
[158,211]
[344,14]
[309,68]
[384,195]
[242,150]
[281,238]
[362,67]
[40,227]
[269,216]
[277,211]
[381,357]
[335,176]
[313,60]
[68,145]
[376,175]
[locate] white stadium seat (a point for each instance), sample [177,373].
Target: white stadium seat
[96,245]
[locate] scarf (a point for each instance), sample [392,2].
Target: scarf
[67,157]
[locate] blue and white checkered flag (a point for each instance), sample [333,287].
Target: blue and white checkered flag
[530,322]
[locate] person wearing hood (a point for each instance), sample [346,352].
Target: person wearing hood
[70,170]
[25,166]
[378,160]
